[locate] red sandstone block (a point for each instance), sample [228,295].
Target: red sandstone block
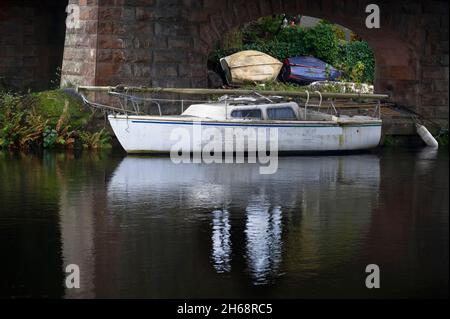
[158,70]
[169,56]
[430,22]
[429,60]
[106,69]
[104,55]
[105,27]
[109,13]
[88,13]
[403,72]
[149,42]
[71,68]
[111,42]
[427,111]
[143,3]
[9,50]
[201,47]
[391,57]
[218,25]
[166,28]
[198,16]
[139,56]
[432,7]
[90,27]
[171,82]
[292,7]
[30,62]
[142,13]
[253,8]
[88,69]
[166,12]
[441,112]
[128,14]
[143,28]
[195,58]
[434,99]
[437,73]
[199,82]
[119,56]
[180,42]
[207,35]
[209,5]
[195,70]
[192,4]
[440,86]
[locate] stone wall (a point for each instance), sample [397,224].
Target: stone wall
[31,43]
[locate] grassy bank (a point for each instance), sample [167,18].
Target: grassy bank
[49,120]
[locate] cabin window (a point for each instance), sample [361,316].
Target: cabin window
[247,114]
[281,113]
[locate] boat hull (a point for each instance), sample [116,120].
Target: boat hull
[150,134]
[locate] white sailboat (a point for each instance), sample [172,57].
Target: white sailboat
[297,128]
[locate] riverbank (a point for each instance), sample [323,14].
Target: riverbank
[53,119]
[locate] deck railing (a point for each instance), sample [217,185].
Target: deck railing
[132,99]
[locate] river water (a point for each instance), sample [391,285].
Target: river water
[143,227]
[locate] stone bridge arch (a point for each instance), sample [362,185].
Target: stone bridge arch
[166,42]
[394,45]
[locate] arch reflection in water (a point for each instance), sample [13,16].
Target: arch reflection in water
[263,236]
[221,241]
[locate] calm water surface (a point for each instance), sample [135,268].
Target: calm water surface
[146,228]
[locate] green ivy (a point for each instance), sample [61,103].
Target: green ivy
[357,54]
[322,42]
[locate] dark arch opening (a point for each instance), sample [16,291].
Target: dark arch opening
[285,36]
[32,36]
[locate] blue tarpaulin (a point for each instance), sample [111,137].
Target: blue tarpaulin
[305,69]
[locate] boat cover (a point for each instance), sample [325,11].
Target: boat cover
[306,69]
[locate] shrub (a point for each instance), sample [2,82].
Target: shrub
[352,55]
[20,129]
[100,139]
[323,41]
[35,121]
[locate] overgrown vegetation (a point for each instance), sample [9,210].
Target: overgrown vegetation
[47,120]
[95,140]
[324,41]
[329,87]
[442,137]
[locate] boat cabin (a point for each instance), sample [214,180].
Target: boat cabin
[283,111]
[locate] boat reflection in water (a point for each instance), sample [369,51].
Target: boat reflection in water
[146,228]
[286,220]
[221,241]
[263,236]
